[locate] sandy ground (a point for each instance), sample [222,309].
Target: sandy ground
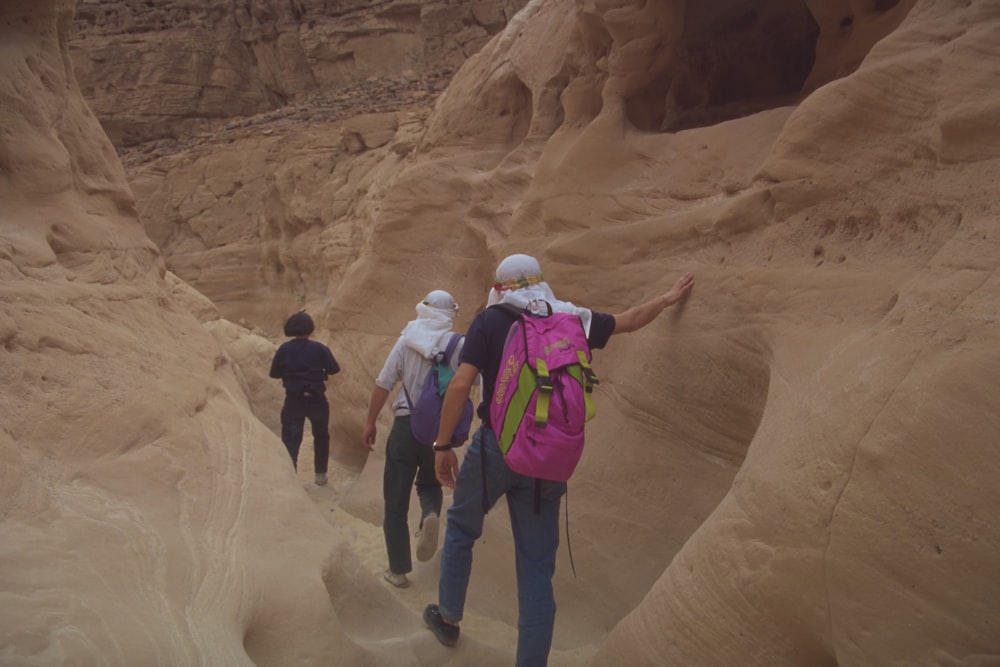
[489,634]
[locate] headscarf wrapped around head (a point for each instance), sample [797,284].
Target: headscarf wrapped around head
[434,318]
[519,282]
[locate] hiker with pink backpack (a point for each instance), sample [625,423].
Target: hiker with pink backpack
[422,360]
[532,352]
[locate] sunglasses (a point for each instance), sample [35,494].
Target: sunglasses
[454,306]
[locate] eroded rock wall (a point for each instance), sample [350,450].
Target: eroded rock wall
[148,516]
[845,249]
[794,467]
[160,69]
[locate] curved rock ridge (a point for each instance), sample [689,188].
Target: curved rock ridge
[795,467]
[149,517]
[785,452]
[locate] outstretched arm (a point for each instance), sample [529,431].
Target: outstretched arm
[375,404]
[639,316]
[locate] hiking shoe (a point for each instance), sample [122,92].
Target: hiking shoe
[321,479]
[397,580]
[446,633]
[427,538]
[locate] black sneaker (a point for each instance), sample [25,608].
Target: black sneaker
[446,633]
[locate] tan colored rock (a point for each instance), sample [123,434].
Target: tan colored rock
[793,468]
[149,516]
[162,69]
[827,239]
[269,223]
[372,130]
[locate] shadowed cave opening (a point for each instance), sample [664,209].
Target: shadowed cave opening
[740,64]
[736,60]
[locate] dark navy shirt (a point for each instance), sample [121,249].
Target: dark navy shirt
[487,334]
[303,365]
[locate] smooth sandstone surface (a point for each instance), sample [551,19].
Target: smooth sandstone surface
[794,467]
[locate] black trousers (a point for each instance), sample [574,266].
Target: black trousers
[294,413]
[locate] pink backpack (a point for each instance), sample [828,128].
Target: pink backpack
[542,396]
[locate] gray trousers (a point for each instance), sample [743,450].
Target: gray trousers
[406,460]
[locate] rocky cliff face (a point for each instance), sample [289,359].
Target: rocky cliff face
[296,209]
[795,468]
[159,69]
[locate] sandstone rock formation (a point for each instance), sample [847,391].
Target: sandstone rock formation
[794,468]
[160,69]
[134,475]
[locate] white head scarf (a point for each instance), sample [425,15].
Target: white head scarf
[519,282]
[434,317]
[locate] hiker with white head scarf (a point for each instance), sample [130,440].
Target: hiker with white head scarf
[409,363]
[519,282]
[435,315]
[484,477]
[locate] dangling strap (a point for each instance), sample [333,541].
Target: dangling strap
[455,337]
[569,546]
[544,393]
[589,380]
[441,364]
[538,510]
[486,497]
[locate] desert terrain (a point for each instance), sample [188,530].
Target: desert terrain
[795,467]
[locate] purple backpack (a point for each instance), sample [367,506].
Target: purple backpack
[542,396]
[425,414]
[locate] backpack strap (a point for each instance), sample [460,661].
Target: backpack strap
[544,393]
[514,311]
[569,545]
[486,496]
[585,376]
[510,309]
[439,358]
[589,380]
[455,337]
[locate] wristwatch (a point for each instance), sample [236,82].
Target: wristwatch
[440,448]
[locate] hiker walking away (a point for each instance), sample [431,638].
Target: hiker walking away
[303,366]
[533,509]
[409,363]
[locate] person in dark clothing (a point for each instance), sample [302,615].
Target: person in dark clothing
[303,366]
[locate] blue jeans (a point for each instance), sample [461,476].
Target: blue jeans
[406,459]
[536,539]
